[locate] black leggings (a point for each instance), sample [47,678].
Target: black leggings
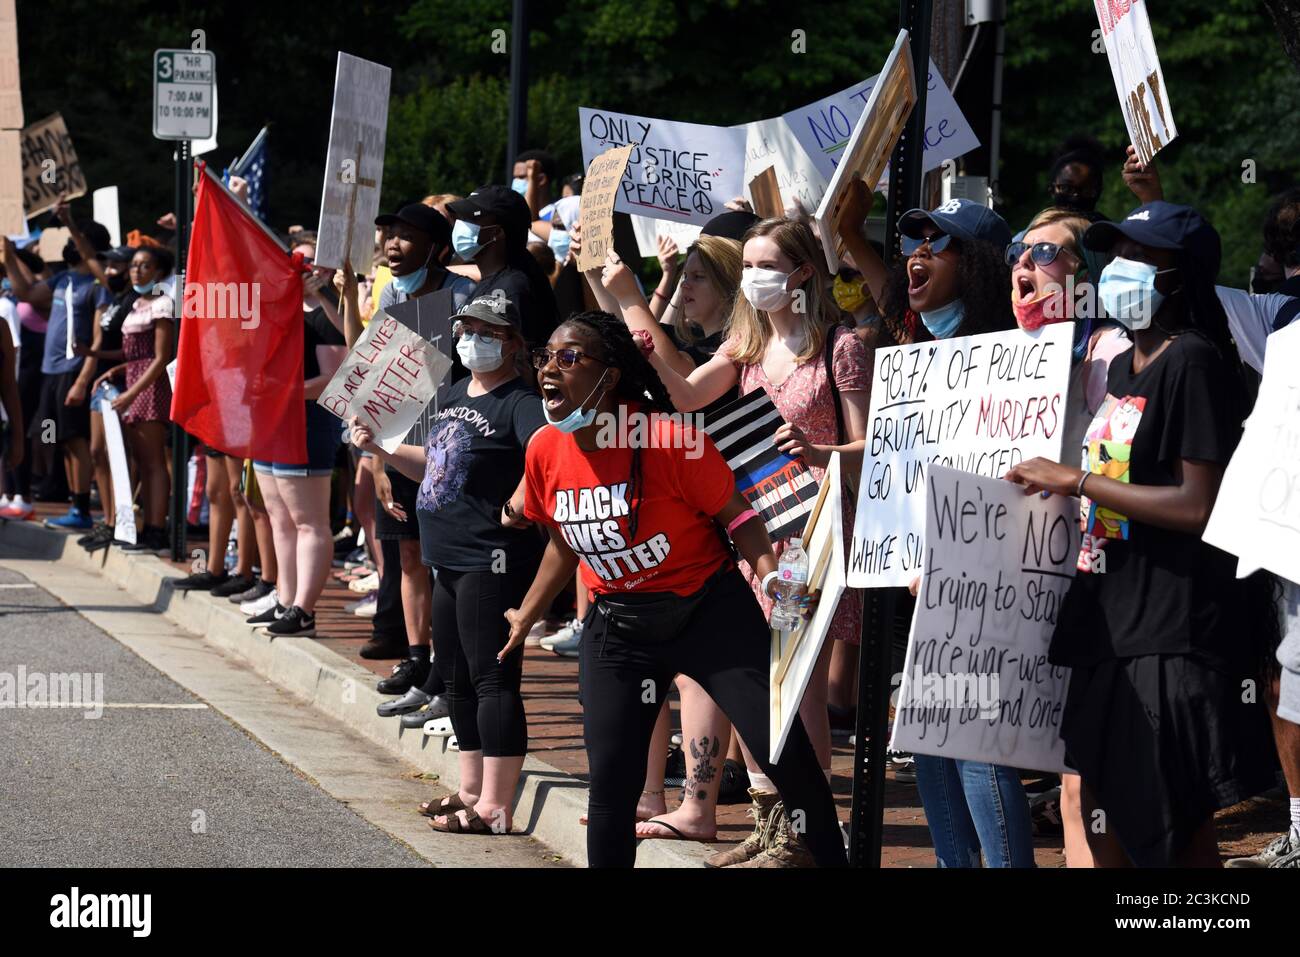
[469,628]
[725,647]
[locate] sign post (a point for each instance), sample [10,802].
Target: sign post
[184,109]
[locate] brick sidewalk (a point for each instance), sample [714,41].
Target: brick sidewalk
[550,689]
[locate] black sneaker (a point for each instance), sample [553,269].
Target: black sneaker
[233,586]
[379,649]
[267,617]
[733,788]
[675,769]
[200,581]
[293,623]
[101,537]
[259,589]
[149,541]
[407,674]
[94,533]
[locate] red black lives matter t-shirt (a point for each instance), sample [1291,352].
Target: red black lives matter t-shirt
[586,496]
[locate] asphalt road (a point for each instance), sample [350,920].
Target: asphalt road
[147,785]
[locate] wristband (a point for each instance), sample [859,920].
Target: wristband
[767,578]
[660,295]
[741,519]
[644,342]
[1078,489]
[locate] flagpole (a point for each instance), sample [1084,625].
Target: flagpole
[180,439]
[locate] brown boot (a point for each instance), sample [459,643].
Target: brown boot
[762,811]
[784,847]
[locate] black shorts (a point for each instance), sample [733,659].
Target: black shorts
[390,529]
[70,421]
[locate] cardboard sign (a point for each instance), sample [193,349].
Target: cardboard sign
[50,246]
[1131,49]
[771,143]
[977,685]
[13,220]
[765,195]
[1257,513]
[978,403]
[824,128]
[684,172]
[871,145]
[430,317]
[354,164]
[387,379]
[11,95]
[600,190]
[50,168]
[794,654]
[780,487]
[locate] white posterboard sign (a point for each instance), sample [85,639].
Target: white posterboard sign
[1257,513]
[105,212]
[123,512]
[824,128]
[1126,31]
[771,143]
[387,379]
[683,172]
[978,403]
[794,654]
[184,94]
[354,164]
[649,230]
[977,685]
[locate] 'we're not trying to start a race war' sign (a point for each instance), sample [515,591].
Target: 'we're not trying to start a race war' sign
[977,403]
[683,172]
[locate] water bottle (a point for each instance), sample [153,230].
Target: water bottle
[232,555]
[792,573]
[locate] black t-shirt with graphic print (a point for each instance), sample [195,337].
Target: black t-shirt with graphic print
[1140,589]
[474,459]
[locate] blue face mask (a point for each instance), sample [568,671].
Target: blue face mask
[5,284]
[519,185]
[577,419]
[943,322]
[559,241]
[145,289]
[412,283]
[1127,290]
[464,239]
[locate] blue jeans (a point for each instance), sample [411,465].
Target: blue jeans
[972,806]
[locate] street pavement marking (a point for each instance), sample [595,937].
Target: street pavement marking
[116,704]
[23,585]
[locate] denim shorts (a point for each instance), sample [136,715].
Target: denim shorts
[324,436]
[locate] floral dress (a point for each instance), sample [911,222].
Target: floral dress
[805,399]
[154,403]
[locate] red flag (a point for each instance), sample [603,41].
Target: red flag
[239,370]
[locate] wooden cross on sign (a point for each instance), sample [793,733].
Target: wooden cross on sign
[357,180]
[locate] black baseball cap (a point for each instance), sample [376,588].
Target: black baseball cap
[120,254]
[965,219]
[1162,225]
[508,207]
[497,310]
[733,224]
[97,234]
[424,218]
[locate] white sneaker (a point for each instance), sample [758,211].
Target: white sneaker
[564,634]
[364,608]
[365,585]
[259,605]
[4,501]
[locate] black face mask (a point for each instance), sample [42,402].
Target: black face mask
[117,283]
[70,254]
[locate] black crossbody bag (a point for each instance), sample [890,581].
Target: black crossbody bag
[653,617]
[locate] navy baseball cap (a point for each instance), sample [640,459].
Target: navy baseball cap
[963,218]
[424,218]
[120,254]
[1162,225]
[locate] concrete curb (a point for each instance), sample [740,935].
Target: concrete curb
[549,801]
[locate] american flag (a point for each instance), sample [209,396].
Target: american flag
[252,167]
[780,487]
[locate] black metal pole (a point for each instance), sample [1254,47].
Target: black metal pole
[880,610]
[517,135]
[180,439]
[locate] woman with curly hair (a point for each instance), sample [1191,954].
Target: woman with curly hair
[644,515]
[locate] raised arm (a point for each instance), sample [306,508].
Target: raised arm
[37,294]
[857,206]
[618,281]
[705,384]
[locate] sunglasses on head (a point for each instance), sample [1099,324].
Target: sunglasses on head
[1042,254]
[564,358]
[937,244]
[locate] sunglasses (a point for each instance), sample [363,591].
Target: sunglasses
[937,244]
[460,331]
[564,358]
[1042,254]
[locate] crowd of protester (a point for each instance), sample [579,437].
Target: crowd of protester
[459,552]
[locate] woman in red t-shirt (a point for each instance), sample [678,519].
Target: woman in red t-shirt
[640,498]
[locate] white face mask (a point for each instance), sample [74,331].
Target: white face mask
[479,356]
[765,288]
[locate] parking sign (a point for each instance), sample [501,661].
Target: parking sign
[184,85]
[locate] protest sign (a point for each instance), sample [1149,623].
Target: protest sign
[11,96]
[869,148]
[648,231]
[387,379]
[794,654]
[354,163]
[977,685]
[600,189]
[104,211]
[430,317]
[825,127]
[1257,513]
[13,221]
[765,195]
[1126,31]
[683,172]
[780,487]
[770,143]
[50,168]
[978,403]
[123,512]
